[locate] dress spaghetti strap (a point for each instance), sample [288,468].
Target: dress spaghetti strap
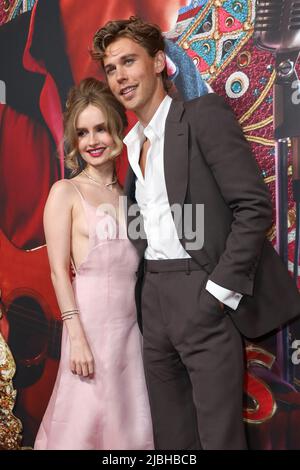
[76,188]
[83,201]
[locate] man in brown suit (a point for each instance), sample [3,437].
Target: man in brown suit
[197,294]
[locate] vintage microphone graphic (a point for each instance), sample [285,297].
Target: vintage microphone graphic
[277,29]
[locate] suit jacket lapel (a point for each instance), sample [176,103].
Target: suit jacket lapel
[176,154]
[129,191]
[129,186]
[176,167]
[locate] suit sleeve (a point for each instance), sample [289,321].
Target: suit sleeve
[228,154]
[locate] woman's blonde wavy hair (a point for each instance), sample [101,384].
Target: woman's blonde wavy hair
[91,91]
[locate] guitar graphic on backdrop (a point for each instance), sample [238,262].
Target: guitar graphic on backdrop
[31,326]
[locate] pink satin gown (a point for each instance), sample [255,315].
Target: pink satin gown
[110,411]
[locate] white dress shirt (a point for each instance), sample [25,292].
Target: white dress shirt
[151,196]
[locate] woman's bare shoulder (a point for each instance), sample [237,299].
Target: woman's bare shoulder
[62,190]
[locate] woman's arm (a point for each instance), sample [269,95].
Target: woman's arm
[57,226]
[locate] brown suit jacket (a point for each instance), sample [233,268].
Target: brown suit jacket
[207,160]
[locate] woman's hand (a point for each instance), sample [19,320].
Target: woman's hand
[81,358]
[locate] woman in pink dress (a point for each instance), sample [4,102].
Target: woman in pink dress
[99,399]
